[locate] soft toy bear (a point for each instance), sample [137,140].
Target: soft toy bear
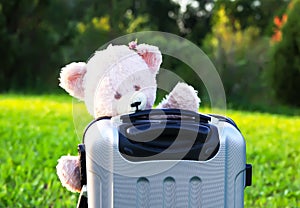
[110,82]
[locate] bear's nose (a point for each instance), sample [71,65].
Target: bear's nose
[138,101]
[132,102]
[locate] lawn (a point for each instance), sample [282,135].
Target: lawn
[36,130]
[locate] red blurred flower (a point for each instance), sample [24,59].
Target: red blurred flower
[277,36]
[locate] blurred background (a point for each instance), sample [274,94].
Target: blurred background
[254,44]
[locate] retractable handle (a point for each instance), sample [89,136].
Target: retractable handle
[167,134]
[151,113]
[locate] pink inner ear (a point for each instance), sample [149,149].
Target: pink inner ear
[75,82]
[71,78]
[151,55]
[153,60]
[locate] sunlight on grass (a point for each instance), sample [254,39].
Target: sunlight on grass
[37,130]
[273,149]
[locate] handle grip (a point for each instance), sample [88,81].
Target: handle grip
[168,113]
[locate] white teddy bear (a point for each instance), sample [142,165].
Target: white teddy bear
[110,82]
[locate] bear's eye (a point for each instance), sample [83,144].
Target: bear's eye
[118,95]
[137,87]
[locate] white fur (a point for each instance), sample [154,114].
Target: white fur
[116,69]
[182,96]
[68,172]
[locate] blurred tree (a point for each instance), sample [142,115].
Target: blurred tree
[258,13]
[196,20]
[162,14]
[32,34]
[284,67]
[239,56]
[38,37]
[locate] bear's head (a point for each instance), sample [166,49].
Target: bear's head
[115,78]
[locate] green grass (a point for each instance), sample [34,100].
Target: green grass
[273,149]
[36,130]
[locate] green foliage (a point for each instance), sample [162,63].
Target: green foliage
[162,14]
[38,37]
[91,35]
[253,12]
[39,129]
[99,30]
[284,68]
[239,56]
[31,34]
[195,22]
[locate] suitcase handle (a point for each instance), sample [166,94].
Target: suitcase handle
[146,114]
[170,140]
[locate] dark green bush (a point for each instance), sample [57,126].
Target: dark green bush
[284,67]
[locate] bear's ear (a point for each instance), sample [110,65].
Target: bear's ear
[71,79]
[151,55]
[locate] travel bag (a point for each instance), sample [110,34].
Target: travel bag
[163,158]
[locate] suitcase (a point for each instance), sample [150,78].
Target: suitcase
[163,158]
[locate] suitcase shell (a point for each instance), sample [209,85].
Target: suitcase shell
[115,181]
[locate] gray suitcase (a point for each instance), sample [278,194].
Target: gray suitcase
[163,158]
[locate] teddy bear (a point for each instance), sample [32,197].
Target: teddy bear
[109,83]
